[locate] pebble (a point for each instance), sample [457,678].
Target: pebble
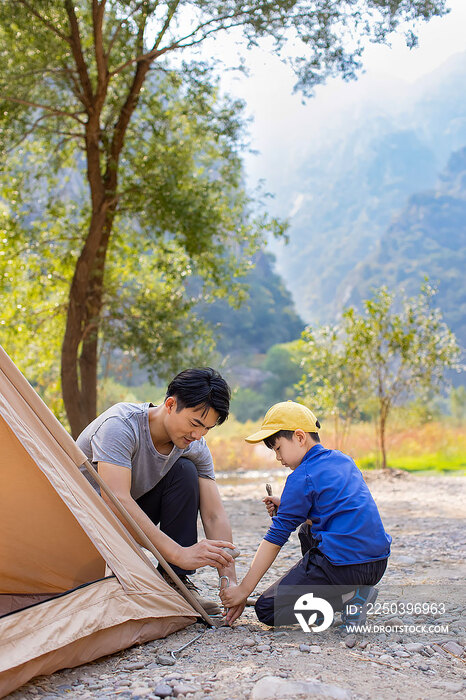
[414,646]
[263,647]
[315,649]
[454,648]
[165,660]
[402,559]
[350,641]
[270,687]
[394,622]
[304,647]
[402,654]
[162,690]
[134,666]
[249,642]
[183,690]
[440,651]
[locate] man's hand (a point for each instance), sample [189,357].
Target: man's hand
[270,503]
[205,553]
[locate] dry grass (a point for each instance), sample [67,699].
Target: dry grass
[435,445]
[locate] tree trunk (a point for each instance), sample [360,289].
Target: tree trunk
[79,358]
[80,343]
[384,410]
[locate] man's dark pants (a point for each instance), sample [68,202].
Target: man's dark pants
[314,573]
[174,504]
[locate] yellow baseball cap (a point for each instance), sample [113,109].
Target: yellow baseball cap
[286,415]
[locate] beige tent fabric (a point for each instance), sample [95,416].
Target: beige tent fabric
[43,549]
[99,523]
[56,533]
[84,625]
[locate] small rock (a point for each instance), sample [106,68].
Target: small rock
[407,561]
[162,690]
[385,657]
[134,666]
[304,647]
[394,622]
[183,690]
[454,648]
[440,651]
[249,642]
[165,660]
[271,687]
[423,667]
[315,649]
[350,641]
[263,647]
[402,654]
[279,635]
[414,646]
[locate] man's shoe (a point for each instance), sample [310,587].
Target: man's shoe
[354,612]
[210,606]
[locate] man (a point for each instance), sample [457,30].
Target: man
[156,461]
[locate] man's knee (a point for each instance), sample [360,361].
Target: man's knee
[185,471]
[265,610]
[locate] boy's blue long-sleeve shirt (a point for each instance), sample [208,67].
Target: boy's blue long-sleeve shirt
[328,488]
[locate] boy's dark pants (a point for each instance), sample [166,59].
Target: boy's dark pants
[313,573]
[174,504]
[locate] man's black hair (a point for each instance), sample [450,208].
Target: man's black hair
[288,434]
[201,386]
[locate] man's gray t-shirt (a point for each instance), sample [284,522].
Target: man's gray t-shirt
[121,436]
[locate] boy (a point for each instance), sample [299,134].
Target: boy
[344,548]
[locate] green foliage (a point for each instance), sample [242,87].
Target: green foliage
[184,218]
[404,352]
[160,157]
[332,379]
[394,351]
[281,371]
[432,462]
[247,404]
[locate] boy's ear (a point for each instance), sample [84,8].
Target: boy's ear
[300,436]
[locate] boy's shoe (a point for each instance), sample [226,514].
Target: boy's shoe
[210,606]
[354,612]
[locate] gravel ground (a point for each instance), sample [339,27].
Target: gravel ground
[419,654]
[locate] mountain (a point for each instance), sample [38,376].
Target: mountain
[343,187]
[428,238]
[266,318]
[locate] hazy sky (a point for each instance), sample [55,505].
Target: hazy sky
[280,118]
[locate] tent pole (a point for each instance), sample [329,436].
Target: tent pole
[148,544]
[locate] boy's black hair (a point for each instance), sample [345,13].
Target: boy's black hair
[288,434]
[201,386]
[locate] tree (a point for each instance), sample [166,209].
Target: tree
[78,75]
[333,377]
[405,348]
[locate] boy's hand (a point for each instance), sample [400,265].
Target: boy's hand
[233,596]
[271,502]
[234,613]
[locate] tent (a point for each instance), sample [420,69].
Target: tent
[74,584]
